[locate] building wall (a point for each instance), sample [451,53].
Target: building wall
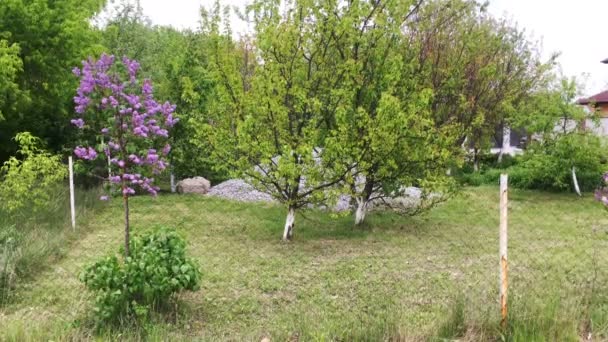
[602,108]
[600,128]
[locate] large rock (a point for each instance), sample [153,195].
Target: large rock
[196,185]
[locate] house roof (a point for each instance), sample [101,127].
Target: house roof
[597,99]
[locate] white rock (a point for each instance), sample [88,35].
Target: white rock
[196,185]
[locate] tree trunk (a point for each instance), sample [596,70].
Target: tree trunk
[506,142]
[361,210]
[125,198]
[575,181]
[289,224]
[172,180]
[475,160]
[363,201]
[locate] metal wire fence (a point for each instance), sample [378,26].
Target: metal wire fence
[434,276]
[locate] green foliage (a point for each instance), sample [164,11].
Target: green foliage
[386,128]
[52,36]
[156,269]
[480,68]
[178,63]
[551,109]
[268,121]
[30,178]
[10,66]
[548,165]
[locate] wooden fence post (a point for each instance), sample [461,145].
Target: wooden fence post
[504,282]
[72,207]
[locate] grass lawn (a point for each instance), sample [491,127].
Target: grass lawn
[395,278]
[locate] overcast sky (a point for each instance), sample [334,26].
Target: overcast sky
[572,28]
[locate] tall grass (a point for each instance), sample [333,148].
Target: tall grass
[32,237]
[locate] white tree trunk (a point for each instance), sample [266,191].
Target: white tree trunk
[361,211]
[575,181]
[506,141]
[172,180]
[289,224]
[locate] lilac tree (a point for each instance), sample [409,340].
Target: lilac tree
[116,107]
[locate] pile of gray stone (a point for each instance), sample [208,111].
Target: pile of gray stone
[240,190]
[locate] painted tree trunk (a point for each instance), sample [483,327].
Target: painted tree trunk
[506,141]
[289,224]
[575,181]
[361,210]
[172,180]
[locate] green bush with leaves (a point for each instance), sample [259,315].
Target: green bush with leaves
[29,179]
[156,269]
[548,165]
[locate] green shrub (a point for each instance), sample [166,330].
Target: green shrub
[156,269]
[548,165]
[491,161]
[30,178]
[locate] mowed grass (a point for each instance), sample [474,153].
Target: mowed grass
[430,277]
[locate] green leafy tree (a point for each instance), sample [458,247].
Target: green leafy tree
[52,37]
[10,66]
[270,125]
[480,68]
[387,130]
[552,109]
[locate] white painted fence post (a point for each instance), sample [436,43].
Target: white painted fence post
[504,282]
[72,207]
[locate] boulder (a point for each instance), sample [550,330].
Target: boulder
[195,185]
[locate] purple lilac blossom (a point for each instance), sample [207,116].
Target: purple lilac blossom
[138,113]
[135,159]
[78,122]
[166,149]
